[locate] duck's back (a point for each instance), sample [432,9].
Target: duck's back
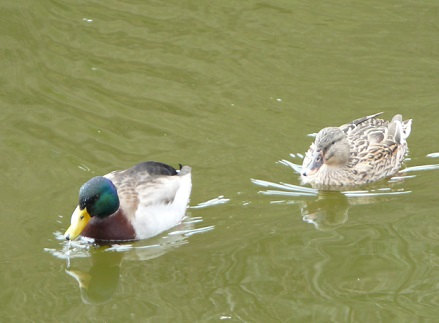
[377,146]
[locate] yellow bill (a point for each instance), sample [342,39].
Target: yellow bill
[78,222]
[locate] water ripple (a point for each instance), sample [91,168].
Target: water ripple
[215,201]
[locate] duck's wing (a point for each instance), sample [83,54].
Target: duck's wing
[360,123]
[146,184]
[149,168]
[162,203]
[158,190]
[379,146]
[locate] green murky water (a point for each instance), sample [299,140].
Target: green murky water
[229,88]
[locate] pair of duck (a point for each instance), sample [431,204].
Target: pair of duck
[152,197]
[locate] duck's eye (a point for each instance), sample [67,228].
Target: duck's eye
[333,142]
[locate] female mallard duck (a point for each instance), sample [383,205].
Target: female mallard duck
[131,204]
[363,151]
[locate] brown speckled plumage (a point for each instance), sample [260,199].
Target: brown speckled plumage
[364,151]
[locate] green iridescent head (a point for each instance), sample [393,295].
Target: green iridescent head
[99,197]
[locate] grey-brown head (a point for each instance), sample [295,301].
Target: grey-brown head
[331,148]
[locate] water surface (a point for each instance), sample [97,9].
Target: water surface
[229,88]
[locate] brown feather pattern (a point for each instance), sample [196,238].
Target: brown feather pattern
[375,148]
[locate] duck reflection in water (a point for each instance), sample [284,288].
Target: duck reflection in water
[327,209]
[327,212]
[331,208]
[99,283]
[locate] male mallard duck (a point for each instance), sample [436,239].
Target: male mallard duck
[363,151]
[131,204]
